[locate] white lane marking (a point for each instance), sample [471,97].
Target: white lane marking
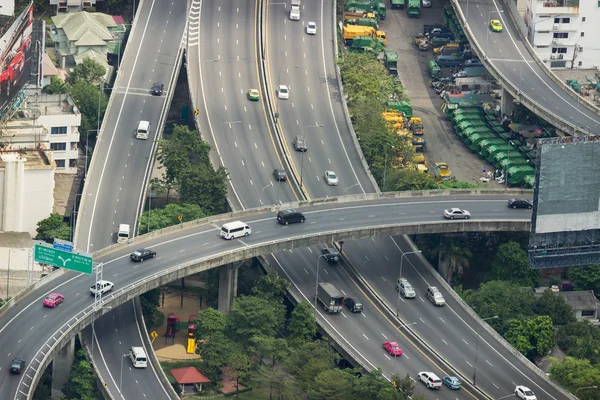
[385,337]
[365,336]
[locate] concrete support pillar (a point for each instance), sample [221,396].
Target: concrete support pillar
[228,277]
[61,367]
[507,103]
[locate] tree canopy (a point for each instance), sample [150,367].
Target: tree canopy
[511,263]
[254,316]
[586,277]
[573,373]
[88,71]
[209,322]
[53,227]
[531,335]
[554,306]
[169,215]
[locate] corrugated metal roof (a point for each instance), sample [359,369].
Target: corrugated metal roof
[77,24]
[581,300]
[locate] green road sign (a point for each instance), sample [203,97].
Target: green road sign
[63,259]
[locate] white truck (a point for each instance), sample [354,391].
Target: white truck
[295,11]
[331,297]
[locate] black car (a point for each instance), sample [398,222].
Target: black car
[300,143]
[280,175]
[331,255]
[142,254]
[290,216]
[17,366]
[157,89]
[520,202]
[353,304]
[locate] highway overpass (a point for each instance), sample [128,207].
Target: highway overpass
[196,246]
[508,56]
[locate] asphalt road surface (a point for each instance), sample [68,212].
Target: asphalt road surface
[509,56]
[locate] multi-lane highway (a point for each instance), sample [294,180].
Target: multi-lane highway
[119,172]
[507,53]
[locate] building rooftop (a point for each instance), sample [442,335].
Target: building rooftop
[35,159]
[46,104]
[580,300]
[15,240]
[84,27]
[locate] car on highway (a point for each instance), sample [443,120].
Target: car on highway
[330,255]
[300,143]
[283,92]
[280,175]
[53,299]
[290,216]
[157,89]
[457,213]
[331,178]
[253,94]
[495,25]
[430,380]
[17,366]
[520,202]
[435,296]
[451,382]
[142,254]
[405,288]
[392,348]
[353,304]
[311,28]
[101,287]
[524,393]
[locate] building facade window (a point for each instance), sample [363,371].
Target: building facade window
[559,50]
[587,313]
[566,20]
[580,63]
[73,163]
[560,35]
[60,163]
[58,130]
[58,146]
[558,64]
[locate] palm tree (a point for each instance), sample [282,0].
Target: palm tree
[452,258]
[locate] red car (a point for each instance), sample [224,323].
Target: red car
[392,348]
[53,299]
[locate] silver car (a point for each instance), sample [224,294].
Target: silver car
[331,178]
[405,288]
[457,213]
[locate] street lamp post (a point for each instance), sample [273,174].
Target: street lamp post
[350,187]
[584,388]
[477,348]
[121,379]
[302,156]
[400,277]
[487,31]
[317,285]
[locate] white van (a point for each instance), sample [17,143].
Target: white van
[138,358]
[142,130]
[123,234]
[234,230]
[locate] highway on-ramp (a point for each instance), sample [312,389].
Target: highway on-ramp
[508,54]
[38,328]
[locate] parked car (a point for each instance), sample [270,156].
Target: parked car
[17,366]
[430,380]
[142,254]
[520,202]
[157,89]
[452,382]
[331,178]
[353,304]
[392,348]
[457,213]
[331,255]
[280,175]
[53,299]
[524,393]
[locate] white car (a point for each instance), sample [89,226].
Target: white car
[102,287]
[331,178]
[283,92]
[311,28]
[430,380]
[405,288]
[523,392]
[457,213]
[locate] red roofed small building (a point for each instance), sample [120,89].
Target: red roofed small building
[189,376]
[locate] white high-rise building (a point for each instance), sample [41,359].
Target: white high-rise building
[565,33]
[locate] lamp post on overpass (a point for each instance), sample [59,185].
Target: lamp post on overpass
[400,277]
[585,388]
[487,31]
[476,348]
[317,285]
[302,157]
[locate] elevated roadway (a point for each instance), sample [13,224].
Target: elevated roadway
[509,57]
[42,332]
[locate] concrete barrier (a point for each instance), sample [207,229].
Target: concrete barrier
[531,366]
[515,17]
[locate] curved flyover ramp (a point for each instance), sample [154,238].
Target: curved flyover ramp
[509,57]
